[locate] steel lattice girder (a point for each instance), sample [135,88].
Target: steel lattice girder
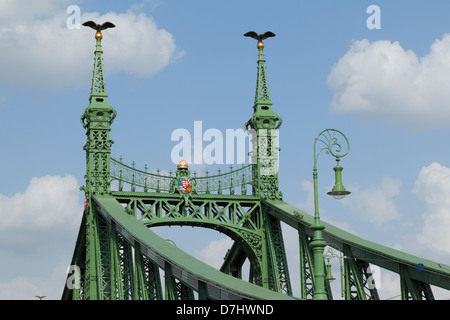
[277,264]
[152,209]
[233,261]
[106,265]
[413,289]
[240,217]
[128,282]
[368,252]
[306,256]
[356,276]
[306,265]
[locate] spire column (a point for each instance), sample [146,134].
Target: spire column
[264,126]
[97,119]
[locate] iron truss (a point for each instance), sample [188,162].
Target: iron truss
[118,257]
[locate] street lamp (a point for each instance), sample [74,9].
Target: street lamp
[329,138]
[331,254]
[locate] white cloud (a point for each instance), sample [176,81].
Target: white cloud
[50,208]
[375,204]
[20,11]
[383,81]
[389,286]
[136,45]
[48,202]
[37,236]
[214,253]
[39,49]
[433,187]
[308,188]
[49,283]
[21,288]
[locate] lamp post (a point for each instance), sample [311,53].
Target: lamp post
[331,254]
[329,138]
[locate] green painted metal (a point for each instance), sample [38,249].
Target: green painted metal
[118,257]
[357,275]
[129,178]
[73,287]
[97,119]
[183,273]
[202,291]
[264,125]
[183,267]
[412,289]
[240,217]
[331,145]
[234,260]
[307,279]
[170,284]
[435,274]
[306,264]
[277,265]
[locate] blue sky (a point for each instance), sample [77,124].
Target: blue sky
[170,63]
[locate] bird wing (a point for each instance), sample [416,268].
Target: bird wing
[91,24]
[267,34]
[252,34]
[107,25]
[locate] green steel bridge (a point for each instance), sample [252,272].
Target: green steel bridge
[118,257]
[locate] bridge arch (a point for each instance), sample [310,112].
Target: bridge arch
[241,219]
[245,265]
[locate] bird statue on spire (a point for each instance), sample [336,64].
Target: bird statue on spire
[260,37]
[98,27]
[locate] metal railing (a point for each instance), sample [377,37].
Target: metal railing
[238,181]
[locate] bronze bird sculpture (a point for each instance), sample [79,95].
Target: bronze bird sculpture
[261,36]
[98,27]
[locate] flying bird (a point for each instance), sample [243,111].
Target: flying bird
[98,27]
[261,36]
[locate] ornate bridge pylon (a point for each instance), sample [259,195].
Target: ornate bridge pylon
[117,256]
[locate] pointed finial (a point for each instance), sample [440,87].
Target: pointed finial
[260,37]
[98,28]
[98,96]
[263,115]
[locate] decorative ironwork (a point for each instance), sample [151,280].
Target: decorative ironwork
[262,85]
[333,147]
[116,259]
[265,124]
[157,182]
[329,138]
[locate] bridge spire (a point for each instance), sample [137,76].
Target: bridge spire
[98,97]
[264,124]
[263,115]
[98,88]
[97,119]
